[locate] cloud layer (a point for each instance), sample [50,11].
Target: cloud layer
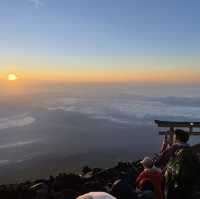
[37,3]
[17,144]
[16,121]
[129,110]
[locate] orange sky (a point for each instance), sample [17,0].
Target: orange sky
[139,74]
[82,43]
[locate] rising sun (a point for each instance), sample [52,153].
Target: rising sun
[12,77]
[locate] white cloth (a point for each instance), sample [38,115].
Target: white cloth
[96,195]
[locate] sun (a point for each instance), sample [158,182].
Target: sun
[12,77]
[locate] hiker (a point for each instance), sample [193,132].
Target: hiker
[180,141]
[152,174]
[146,190]
[167,142]
[181,170]
[122,189]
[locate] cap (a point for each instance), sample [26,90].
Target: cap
[147,162]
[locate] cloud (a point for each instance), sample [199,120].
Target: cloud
[124,110]
[16,121]
[37,3]
[17,144]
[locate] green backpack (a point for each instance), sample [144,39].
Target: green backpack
[183,169]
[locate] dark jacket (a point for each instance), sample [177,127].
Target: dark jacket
[169,153]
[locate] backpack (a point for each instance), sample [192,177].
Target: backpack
[182,170]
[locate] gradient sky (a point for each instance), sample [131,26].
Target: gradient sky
[101,40]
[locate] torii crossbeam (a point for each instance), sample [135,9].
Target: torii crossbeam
[173,125]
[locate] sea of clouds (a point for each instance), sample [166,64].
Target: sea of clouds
[140,109]
[124,110]
[131,110]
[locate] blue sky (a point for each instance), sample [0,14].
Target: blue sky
[50,32]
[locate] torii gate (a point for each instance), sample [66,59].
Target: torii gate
[173,125]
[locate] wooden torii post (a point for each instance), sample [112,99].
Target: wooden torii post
[173,125]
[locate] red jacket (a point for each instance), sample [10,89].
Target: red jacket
[155,177]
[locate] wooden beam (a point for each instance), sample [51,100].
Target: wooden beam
[168,132]
[195,133]
[168,124]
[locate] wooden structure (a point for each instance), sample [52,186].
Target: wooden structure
[174,125]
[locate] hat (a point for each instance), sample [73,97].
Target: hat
[181,135]
[147,162]
[96,195]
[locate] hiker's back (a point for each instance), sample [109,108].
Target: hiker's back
[181,174]
[189,167]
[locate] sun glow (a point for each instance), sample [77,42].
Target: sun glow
[12,77]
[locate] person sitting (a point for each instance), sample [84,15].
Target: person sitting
[122,189]
[153,174]
[146,190]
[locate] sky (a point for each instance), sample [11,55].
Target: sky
[100,40]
